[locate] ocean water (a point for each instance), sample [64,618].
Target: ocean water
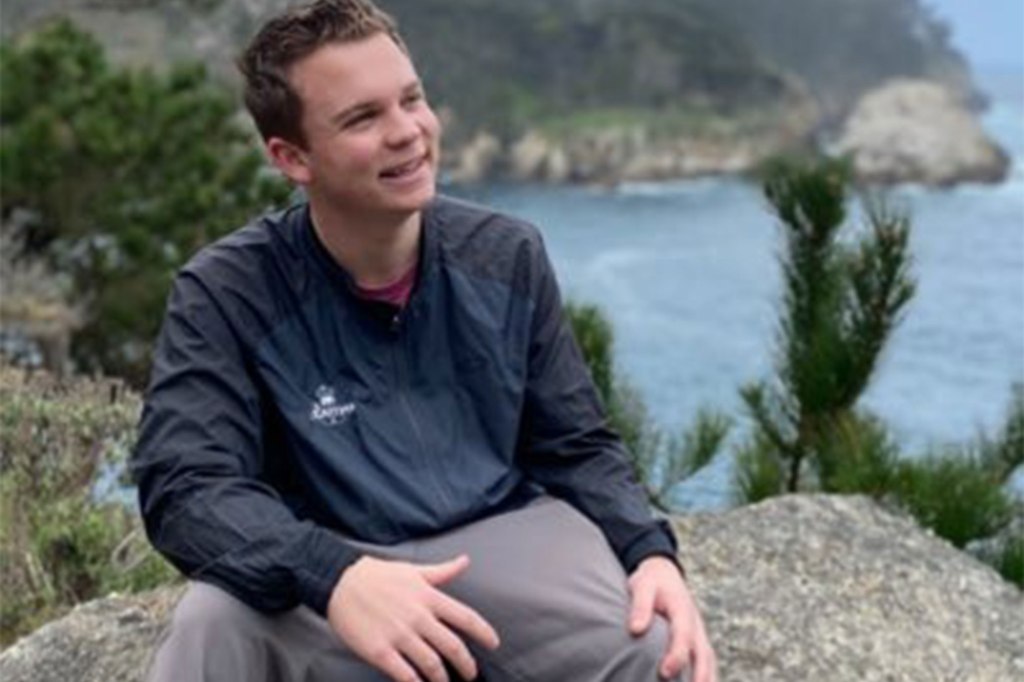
[688,274]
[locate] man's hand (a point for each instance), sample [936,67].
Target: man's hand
[657,586]
[392,615]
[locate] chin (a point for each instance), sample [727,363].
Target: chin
[415,201]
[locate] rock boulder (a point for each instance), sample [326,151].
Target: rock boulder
[793,589]
[917,131]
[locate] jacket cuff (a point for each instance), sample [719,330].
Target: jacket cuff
[320,568]
[659,541]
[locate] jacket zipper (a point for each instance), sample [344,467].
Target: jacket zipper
[401,362]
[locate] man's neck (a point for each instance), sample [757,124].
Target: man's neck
[374,250]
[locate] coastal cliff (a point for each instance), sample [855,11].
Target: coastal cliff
[606,91]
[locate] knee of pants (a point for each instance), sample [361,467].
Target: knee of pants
[643,655]
[210,614]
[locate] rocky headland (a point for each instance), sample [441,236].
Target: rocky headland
[795,588]
[529,86]
[918,131]
[907,131]
[628,151]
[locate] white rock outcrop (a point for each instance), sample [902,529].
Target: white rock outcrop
[476,160]
[918,131]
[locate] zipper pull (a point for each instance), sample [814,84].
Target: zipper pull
[396,322]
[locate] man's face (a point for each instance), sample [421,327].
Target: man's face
[372,139]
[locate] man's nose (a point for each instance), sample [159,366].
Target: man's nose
[402,129]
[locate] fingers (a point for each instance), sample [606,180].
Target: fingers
[450,647]
[447,611]
[466,620]
[677,654]
[425,659]
[642,609]
[430,642]
[704,666]
[439,574]
[393,615]
[688,645]
[391,663]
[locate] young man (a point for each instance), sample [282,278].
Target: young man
[370,439]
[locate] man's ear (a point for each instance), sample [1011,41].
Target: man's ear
[290,159]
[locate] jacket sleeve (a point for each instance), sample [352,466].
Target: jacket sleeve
[198,462]
[566,444]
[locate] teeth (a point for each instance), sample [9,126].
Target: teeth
[403,169]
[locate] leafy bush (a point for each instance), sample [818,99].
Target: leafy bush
[659,462]
[963,494]
[954,495]
[860,457]
[59,544]
[840,304]
[1006,552]
[759,473]
[117,177]
[841,301]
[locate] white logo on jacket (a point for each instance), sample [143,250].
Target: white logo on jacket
[326,409]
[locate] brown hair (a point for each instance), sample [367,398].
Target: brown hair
[288,38]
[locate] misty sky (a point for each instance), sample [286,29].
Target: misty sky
[988,32]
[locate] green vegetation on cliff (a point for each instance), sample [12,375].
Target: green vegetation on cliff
[508,65]
[502,65]
[842,48]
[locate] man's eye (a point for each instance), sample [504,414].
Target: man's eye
[413,98]
[359,120]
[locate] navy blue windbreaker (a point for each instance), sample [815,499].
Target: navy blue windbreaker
[285,413]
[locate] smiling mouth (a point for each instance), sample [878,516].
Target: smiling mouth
[407,168]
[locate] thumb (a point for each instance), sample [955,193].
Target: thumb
[439,574]
[642,610]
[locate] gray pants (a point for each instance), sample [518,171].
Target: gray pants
[543,576]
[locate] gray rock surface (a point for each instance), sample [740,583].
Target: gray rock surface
[796,588]
[835,588]
[917,131]
[107,640]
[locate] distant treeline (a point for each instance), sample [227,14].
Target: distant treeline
[512,62]
[504,65]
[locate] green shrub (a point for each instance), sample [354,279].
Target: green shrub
[759,474]
[59,544]
[841,300]
[118,176]
[1006,553]
[962,494]
[659,462]
[954,495]
[1004,454]
[859,457]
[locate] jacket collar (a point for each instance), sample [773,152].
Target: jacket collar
[315,250]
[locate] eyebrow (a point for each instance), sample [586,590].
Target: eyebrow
[361,107]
